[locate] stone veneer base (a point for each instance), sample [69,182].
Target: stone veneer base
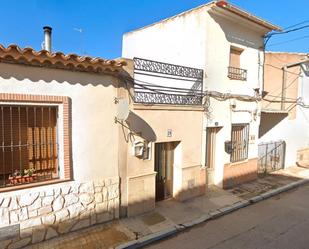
[46,212]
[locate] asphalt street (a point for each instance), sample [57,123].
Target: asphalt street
[280,222]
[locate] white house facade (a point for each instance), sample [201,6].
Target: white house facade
[227,44]
[59,149]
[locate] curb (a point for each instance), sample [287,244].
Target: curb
[149,238]
[210,216]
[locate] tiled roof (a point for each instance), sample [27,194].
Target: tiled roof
[43,58]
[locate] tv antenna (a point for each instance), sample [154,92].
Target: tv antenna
[81,31]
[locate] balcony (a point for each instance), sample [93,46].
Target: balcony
[168,99]
[168,84]
[235,73]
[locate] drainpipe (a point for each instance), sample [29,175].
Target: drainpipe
[47,38]
[283,91]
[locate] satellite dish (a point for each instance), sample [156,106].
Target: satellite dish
[122,110]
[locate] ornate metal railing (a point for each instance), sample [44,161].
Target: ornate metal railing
[236,73]
[172,99]
[163,83]
[166,68]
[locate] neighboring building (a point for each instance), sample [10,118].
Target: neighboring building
[213,140]
[162,156]
[58,144]
[285,111]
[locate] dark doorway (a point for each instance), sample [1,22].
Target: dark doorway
[164,162]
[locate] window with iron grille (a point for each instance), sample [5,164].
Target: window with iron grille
[240,142]
[28,148]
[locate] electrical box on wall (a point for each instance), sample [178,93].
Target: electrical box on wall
[142,150]
[252,139]
[228,147]
[169,132]
[214,123]
[138,148]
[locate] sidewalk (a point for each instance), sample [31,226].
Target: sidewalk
[171,216]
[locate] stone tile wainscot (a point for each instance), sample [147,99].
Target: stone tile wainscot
[42,213]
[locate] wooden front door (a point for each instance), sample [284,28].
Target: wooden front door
[164,162]
[211,133]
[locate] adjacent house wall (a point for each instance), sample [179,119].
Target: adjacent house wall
[274,63]
[293,129]
[92,195]
[93,111]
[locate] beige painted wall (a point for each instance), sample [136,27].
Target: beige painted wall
[186,126]
[274,79]
[94,132]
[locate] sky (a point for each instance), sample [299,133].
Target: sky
[104,22]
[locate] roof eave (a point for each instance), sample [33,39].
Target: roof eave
[28,56]
[246,15]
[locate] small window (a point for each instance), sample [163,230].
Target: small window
[235,57]
[234,69]
[240,142]
[28,144]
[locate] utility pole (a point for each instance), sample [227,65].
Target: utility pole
[283,91]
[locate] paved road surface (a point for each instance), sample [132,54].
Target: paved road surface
[281,222]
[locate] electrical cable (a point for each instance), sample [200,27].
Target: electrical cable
[166,90]
[279,68]
[295,25]
[287,31]
[287,41]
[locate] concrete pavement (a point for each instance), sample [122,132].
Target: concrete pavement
[177,216]
[171,217]
[279,222]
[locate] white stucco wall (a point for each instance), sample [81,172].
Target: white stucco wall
[202,40]
[94,132]
[179,40]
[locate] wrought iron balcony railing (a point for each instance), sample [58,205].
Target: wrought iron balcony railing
[163,83]
[170,99]
[236,73]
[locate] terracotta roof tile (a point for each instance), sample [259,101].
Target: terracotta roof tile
[43,58]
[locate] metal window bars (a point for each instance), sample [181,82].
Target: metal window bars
[236,73]
[240,142]
[29,147]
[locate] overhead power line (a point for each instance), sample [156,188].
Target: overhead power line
[270,35]
[297,24]
[280,68]
[287,41]
[287,31]
[151,87]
